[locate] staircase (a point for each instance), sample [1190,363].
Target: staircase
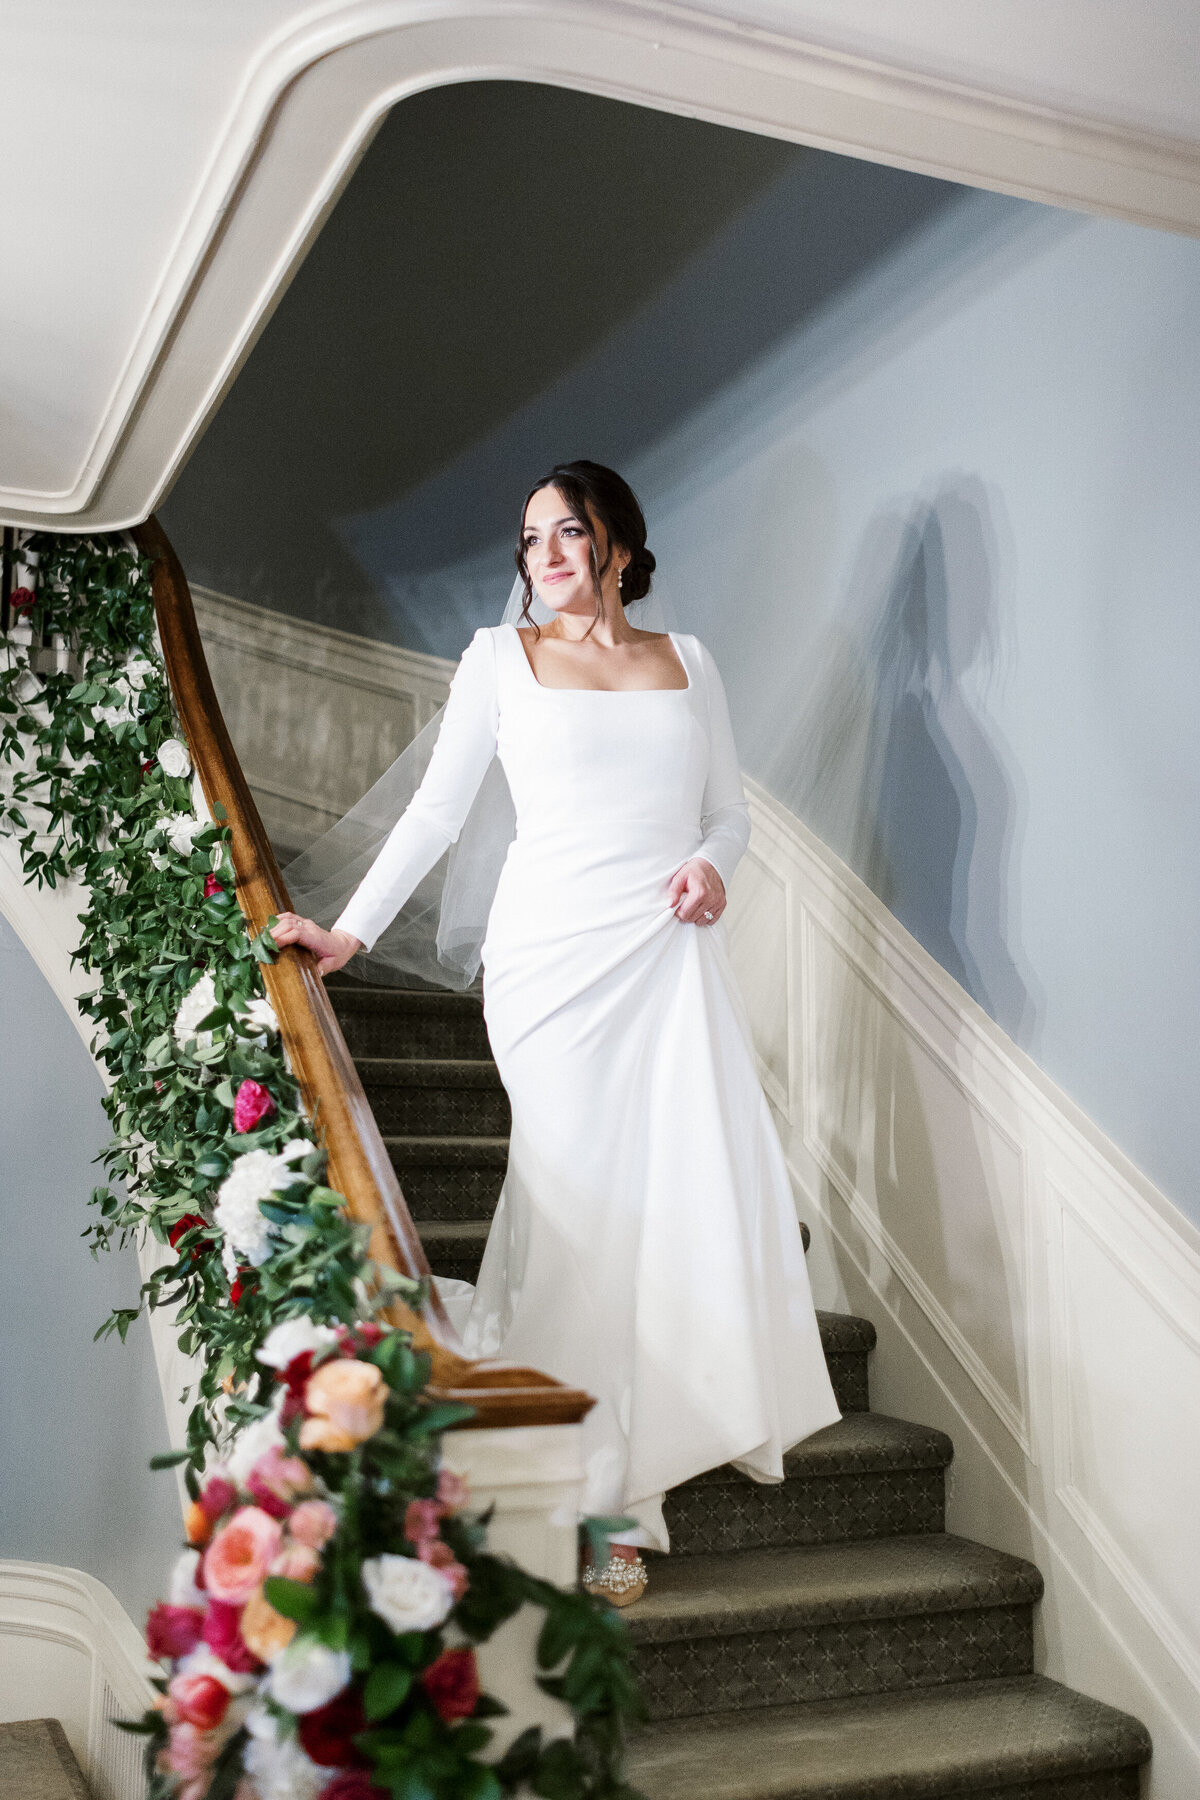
[823,1639]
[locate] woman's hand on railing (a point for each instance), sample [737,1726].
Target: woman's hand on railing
[333,948]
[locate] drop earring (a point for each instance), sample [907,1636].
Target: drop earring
[619,575]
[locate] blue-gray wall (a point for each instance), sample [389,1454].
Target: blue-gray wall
[920,466]
[78,1421]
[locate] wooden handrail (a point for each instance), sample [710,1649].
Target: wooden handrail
[359,1165]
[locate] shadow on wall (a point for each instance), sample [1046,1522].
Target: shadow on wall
[894,760]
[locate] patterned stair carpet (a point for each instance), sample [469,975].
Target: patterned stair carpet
[36,1763]
[824,1639]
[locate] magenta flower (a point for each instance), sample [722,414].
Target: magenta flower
[173,1631]
[252,1104]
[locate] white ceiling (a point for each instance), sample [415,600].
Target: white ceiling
[165,160]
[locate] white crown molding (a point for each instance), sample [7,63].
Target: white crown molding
[316,92]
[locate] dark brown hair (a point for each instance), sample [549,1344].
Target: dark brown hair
[590,488]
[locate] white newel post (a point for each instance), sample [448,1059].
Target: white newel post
[533,1478]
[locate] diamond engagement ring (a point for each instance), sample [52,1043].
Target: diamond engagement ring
[708,915]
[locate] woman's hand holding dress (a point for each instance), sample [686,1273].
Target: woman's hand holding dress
[697,892]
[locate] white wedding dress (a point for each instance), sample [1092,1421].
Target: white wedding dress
[645,1246]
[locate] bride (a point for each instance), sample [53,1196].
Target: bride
[645,1246]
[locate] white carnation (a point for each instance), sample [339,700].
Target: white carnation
[292,1339]
[255,1176]
[182,1590]
[173,758]
[307,1675]
[278,1766]
[196,1004]
[181,831]
[251,1442]
[407,1595]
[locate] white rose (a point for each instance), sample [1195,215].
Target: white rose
[137,671]
[307,1675]
[292,1339]
[182,1590]
[255,1176]
[116,715]
[173,758]
[261,1015]
[181,830]
[251,1442]
[277,1766]
[407,1595]
[196,1004]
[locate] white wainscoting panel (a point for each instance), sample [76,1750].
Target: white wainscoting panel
[316,715]
[69,1651]
[1034,1295]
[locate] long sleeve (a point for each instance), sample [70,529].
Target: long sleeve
[724,815]
[434,817]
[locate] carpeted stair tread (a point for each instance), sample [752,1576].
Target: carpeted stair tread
[449,1150]
[37,1763]
[759,1590]
[846,1332]
[968,1741]
[428,1071]
[860,1443]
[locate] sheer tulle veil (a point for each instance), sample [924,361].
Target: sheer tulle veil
[437,934]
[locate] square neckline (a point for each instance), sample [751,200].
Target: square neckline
[598,690]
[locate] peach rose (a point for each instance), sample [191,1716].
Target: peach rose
[238,1558]
[265,1632]
[345,1401]
[296,1562]
[313,1522]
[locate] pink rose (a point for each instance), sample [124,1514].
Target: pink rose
[252,1103]
[353,1784]
[440,1556]
[277,1481]
[421,1520]
[238,1558]
[313,1523]
[296,1562]
[190,1752]
[213,886]
[452,1490]
[200,1700]
[223,1635]
[172,1631]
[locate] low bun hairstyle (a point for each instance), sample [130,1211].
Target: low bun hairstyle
[590,489]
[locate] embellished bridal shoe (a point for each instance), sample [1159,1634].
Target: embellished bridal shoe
[620,1581]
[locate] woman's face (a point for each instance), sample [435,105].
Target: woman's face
[558,555]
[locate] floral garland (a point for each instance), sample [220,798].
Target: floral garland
[319,1636]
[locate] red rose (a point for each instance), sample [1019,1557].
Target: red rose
[223,1636]
[188,1222]
[355,1784]
[212,886]
[173,1631]
[241,1284]
[325,1733]
[200,1700]
[452,1683]
[251,1106]
[21,599]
